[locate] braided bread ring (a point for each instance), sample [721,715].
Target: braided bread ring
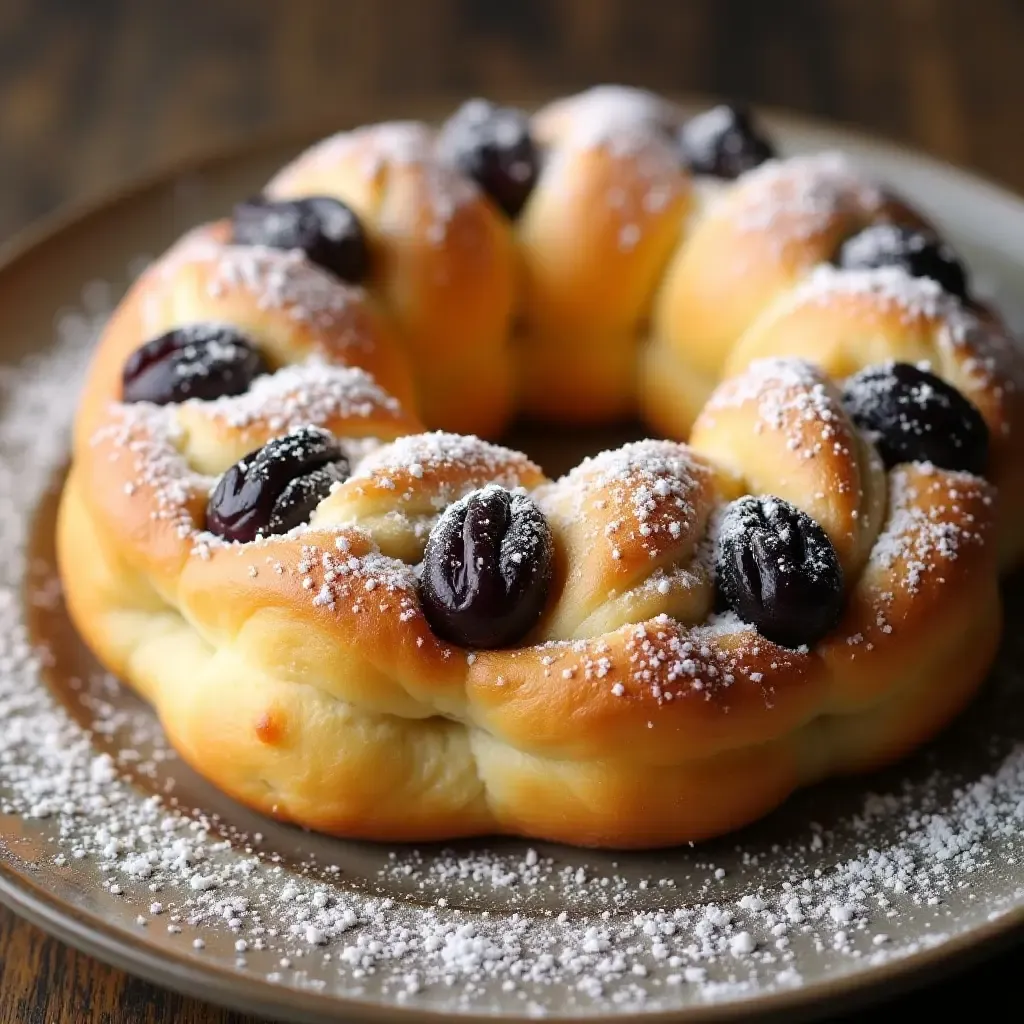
[299,672]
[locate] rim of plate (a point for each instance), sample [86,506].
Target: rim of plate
[93,935]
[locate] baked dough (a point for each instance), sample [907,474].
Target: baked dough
[627,284]
[299,673]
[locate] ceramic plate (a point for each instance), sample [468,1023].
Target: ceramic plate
[112,843]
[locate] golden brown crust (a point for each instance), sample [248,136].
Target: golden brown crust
[847,320]
[593,241]
[300,674]
[625,282]
[442,260]
[755,241]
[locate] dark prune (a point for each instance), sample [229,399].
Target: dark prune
[917,252]
[204,361]
[487,568]
[913,416]
[276,488]
[493,146]
[724,142]
[777,570]
[325,229]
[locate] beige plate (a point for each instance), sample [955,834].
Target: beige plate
[884,890]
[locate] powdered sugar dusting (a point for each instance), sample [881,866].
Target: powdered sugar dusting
[986,353]
[406,484]
[675,663]
[283,279]
[648,490]
[148,437]
[422,453]
[311,392]
[838,883]
[399,144]
[340,580]
[447,466]
[635,129]
[915,298]
[799,197]
[791,396]
[606,114]
[922,539]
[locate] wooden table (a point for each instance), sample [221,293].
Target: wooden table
[93,94]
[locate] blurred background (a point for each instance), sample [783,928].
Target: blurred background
[96,92]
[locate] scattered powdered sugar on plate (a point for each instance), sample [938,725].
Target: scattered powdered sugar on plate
[92,797]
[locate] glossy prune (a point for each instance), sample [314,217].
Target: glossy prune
[493,146]
[777,570]
[487,568]
[276,488]
[203,361]
[913,416]
[324,228]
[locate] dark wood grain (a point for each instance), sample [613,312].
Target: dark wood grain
[43,981]
[95,93]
